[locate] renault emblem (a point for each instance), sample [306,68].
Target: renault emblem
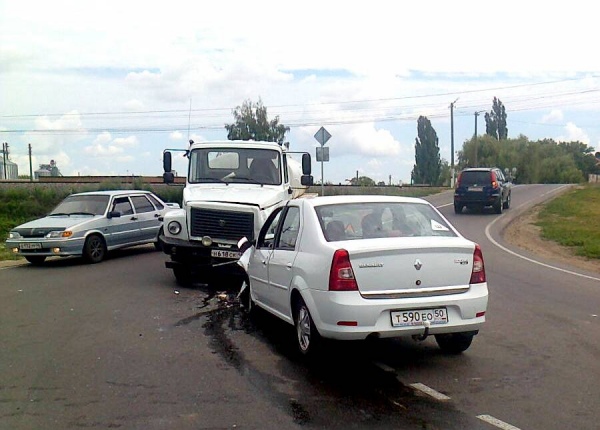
[418,264]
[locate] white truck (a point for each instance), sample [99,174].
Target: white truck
[231,188]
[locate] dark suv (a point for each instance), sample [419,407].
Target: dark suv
[479,187]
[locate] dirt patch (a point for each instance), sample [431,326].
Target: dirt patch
[523,232]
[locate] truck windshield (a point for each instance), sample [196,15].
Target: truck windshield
[239,165]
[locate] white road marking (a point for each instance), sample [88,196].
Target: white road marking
[496,422]
[429,391]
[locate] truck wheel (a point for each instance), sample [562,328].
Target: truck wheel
[94,249]
[307,336]
[454,343]
[183,276]
[36,260]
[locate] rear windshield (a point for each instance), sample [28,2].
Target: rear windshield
[475,178]
[352,221]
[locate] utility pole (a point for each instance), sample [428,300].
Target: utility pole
[452,141]
[4,156]
[475,135]
[30,166]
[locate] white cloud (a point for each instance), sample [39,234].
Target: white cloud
[176,135]
[574,133]
[555,116]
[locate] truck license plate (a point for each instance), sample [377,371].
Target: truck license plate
[218,253]
[35,245]
[419,316]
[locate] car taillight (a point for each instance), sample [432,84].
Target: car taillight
[341,276]
[494,180]
[458,180]
[478,272]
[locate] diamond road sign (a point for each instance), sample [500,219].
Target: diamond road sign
[322,136]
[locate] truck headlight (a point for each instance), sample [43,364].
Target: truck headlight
[174,228]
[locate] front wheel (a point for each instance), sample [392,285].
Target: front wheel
[454,343]
[36,260]
[183,276]
[94,249]
[307,336]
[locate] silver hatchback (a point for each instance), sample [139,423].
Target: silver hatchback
[91,224]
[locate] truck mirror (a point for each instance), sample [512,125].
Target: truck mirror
[306,166]
[306,180]
[167,162]
[168,177]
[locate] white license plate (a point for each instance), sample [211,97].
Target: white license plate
[218,253]
[418,317]
[475,188]
[30,245]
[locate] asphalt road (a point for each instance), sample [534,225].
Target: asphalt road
[119,345]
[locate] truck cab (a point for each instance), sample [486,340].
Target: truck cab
[231,188]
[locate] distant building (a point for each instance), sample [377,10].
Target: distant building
[8,169]
[47,170]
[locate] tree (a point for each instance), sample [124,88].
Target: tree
[495,121]
[427,166]
[363,181]
[252,123]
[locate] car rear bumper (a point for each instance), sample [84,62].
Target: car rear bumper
[332,313]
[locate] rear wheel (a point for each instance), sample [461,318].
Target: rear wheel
[507,202]
[307,336]
[498,206]
[36,260]
[94,249]
[454,343]
[158,245]
[458,208]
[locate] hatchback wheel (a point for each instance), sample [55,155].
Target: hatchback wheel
[306,333]
[94,249]
[458,208]
[454,343]
[36,260]
[498,206]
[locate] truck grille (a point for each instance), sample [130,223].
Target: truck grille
[222,224]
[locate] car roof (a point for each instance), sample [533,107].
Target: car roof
[478,169]
[112,193]
[331,200]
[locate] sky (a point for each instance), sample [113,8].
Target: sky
[104,87]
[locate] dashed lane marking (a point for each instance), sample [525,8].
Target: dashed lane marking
[429,391]
[496,422]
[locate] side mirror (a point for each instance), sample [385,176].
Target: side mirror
[168,177]
[306,166]
[306,180]
[167,162]
[114,214]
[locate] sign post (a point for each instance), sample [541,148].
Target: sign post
[322,137]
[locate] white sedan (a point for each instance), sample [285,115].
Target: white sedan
[352,267]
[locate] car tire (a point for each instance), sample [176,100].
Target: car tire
[36,260]
[158,245]
[454,343]
[307,336]
[507,202]
[458,208]
[94,249]
[498,205]
[246,299]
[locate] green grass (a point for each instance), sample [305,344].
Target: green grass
[573,219]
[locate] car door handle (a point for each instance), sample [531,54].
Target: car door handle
[156,215]
[289,265]
[264,262]
[133,218]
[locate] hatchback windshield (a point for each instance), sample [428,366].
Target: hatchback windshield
[371,220]
[81,205]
